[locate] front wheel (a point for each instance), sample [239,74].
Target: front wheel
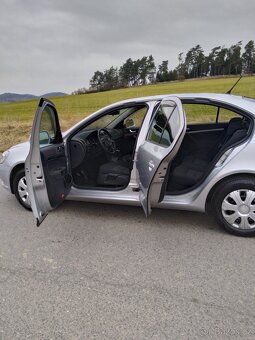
[233,205]
[20,189]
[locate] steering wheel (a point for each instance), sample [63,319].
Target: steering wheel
[106,141]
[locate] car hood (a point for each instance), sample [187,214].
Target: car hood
[23,146]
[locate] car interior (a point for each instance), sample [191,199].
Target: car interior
[102,152]
[203,144]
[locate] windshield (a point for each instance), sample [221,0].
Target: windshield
[105,120]
[117,117]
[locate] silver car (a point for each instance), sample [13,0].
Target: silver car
[184,151]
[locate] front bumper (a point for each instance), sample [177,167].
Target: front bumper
[5,170]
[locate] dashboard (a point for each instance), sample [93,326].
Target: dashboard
[82,146]
[85,144]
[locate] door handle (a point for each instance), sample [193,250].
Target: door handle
[151,165]
[60,148]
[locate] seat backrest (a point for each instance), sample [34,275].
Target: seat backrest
[233,125]
[236,131]
[235,137]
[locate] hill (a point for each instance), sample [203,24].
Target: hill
[53,94]
[16,97]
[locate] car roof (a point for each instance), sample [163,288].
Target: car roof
[234,100]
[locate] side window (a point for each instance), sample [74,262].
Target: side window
[47,126]
[135,119]
[200,113]
[225,115]
[165,124]
[206,114]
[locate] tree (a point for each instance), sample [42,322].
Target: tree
[194,62]
[220,61]
[181,68]
[233,60]
[137,72]
[141,69]
[199,60]
[126,73]
[211,59]
[248,57]
[97,81]
[150,69]
[172,75]
[163,73]
[189,61]
[110,78]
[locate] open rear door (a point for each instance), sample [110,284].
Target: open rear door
[163,140]
[46,169]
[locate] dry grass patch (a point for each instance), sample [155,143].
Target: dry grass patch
[13,133]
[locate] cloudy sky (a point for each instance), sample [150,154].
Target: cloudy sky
[56,45]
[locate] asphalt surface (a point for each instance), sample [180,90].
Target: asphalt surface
[95,271]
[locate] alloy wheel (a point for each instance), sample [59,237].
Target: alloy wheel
[23,192]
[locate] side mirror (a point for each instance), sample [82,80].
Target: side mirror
[129,123]
[44,138]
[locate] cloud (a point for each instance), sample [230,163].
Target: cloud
[57,45]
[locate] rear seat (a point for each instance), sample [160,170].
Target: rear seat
[193,167]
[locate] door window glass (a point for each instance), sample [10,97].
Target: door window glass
[47,126]
[200,113]
[165,124]
[206,114]
[138,116]
[225,115]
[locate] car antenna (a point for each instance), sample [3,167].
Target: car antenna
[230,90]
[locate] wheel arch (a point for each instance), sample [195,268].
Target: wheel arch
[17,168]
[219,183]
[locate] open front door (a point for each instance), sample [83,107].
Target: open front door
[163,140]
[46,169]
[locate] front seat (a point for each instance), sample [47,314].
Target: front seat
[113,174]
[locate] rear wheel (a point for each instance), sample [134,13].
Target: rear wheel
[233,205]
[20,189]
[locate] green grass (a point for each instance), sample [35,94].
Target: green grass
[16,118]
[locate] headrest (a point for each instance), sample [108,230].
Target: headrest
[233,125]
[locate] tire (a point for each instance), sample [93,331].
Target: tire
[20,189]
[233,206]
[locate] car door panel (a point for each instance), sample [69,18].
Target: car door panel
[200,128]
[159,148]
[201,138]
[47,175]
[55,173]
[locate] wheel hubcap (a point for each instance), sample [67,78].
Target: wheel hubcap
[238,209]
[23,192]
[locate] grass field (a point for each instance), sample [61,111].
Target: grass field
[16,118]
